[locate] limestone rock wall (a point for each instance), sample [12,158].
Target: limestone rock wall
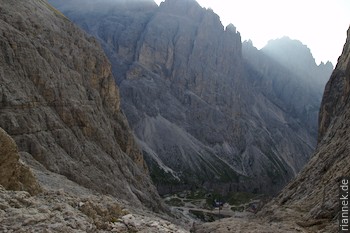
[60,103]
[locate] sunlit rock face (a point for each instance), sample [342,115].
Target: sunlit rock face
[60,103]
[202,113]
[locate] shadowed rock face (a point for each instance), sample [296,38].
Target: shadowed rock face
[310,203]
[201,115]
[288,75]
[59,101]
[316,188]
[315,191]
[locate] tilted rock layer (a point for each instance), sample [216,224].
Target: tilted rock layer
[60,103]
[199,114]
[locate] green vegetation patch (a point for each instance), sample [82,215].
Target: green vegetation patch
[237,208]
[214,197]
[174,202]
[238,198]
[197,194]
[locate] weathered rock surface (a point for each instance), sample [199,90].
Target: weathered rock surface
[311,200]
[247,224]
[192,101]
[58,211]
[60,103]
[14,175]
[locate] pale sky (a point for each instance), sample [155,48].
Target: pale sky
[320,24]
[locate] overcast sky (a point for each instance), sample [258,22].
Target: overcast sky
[320,24]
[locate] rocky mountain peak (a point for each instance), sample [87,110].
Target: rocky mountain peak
[178,5]
[186,31]
[297,57]
[286,44]
[231,28]
[192,11]
[328,65]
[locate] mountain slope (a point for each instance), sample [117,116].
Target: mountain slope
[295,86]
[298,58]
[315,190]
[189,98]
[310,203]
[59,101]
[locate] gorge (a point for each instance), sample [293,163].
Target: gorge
[152,100]
[205,109]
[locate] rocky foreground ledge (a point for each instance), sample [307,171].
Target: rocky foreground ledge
[52,203]
[58,211]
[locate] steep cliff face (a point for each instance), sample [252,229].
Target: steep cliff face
[315,191]
[336,93]
[310,203]
[59,101]
[191,100]
[179,119]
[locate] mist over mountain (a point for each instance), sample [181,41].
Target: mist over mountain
[297,57]
[294,86]
[310,202]
[202,114]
